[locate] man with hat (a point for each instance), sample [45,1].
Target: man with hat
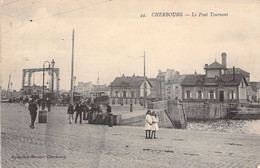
[78,110]
[33,112]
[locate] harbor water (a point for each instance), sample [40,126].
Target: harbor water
[229,126]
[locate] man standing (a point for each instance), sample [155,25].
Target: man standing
[33,112]
[85,109]
[78,110]
[21,100]
[110,116]
[70,111]
[48,104]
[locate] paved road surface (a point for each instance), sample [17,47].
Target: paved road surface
[59,144]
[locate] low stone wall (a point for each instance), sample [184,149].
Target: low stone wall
[164,121]
[205,111]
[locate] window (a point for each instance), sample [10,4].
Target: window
[116,93]
[124,93]
[232,95]
[242,84]
[199,95]
[211,95]
[188,94]
[132,94]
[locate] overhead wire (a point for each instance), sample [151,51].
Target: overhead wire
[9,3]
[57,14]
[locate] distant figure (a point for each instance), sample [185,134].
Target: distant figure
[108,108]
[26,101]
[148,124]
[39,103]
[48,104]
[84,110]
[155,121]
[70,111]
[43,101]
[33,112]
[78,110]
[21,100]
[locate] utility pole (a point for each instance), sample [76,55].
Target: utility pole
[8,87]
[52,75]
[72,66]
[144,79]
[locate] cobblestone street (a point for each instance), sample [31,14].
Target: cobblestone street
[59,144]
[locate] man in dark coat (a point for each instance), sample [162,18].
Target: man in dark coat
[85,109]
[70,111]
[48,104]
[78,110]
[33,112]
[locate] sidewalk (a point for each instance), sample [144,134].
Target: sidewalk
[59,144]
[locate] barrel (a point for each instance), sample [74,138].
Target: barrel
[42,117]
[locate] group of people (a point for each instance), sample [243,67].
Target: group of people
[151,124]
[79,109]
[84,108]
[39,102]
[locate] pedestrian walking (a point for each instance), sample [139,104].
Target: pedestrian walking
[148,124]
[33,112]
[70,111]
[155,127]
[78,110]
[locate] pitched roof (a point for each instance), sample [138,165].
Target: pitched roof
[127,81]
[202,80]
[237,71]
[215,65]
[255,86]
[153,82]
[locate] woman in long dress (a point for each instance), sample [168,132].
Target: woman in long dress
[148,124]
[155,121]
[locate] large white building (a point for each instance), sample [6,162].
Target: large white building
[84,88]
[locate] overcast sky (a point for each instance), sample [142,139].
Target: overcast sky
[110,37]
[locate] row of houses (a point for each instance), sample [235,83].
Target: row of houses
[218,84]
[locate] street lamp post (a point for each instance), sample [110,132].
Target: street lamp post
[43,82]
[52,75]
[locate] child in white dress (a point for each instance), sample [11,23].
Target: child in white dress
[155,121]
[148,124]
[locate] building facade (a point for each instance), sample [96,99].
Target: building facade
[216,85]
[84,88]
[130,87]
[169,84]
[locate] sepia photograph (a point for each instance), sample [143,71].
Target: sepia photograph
[130,84]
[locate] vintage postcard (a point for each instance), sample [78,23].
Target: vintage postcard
[120,83]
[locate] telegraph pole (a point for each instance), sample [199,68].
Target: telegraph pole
[72,67]
[8,87]
[144,79]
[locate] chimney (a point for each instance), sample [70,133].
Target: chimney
[234,73]
[206,65]
[224,60]
[159,71]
